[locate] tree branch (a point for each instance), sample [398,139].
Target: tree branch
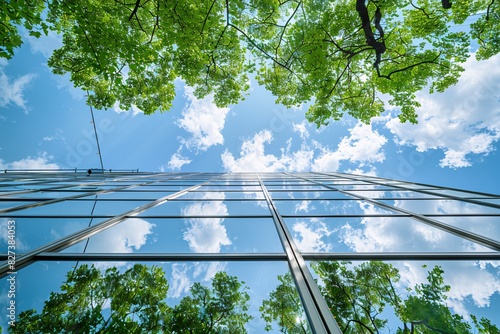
[206,17]
[388,76]
[379,47]
[134,11]
[488,10]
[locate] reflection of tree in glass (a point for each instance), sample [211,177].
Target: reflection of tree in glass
[285,308]
[358,295]
[134,302]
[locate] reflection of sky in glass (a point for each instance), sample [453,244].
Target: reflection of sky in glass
[61,208]
[35,232]
[197,235]
[227,195]
[325,207]
[370,234]
[441,206]
[332,194]
[219,208]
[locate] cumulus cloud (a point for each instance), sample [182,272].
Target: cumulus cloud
[463,121]
[308,236]
[301,128]
[326,161]
[363,146]
[125,237]
[43,161]
[253,157]
[12,90]
[206,235]
[177,161]
[203,120]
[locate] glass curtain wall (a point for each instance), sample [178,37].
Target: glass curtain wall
[246,252]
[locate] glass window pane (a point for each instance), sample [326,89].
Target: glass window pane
[209,208]
[375,234]
[429,297]
[309,195]
[196,235]
[217,195]
[60,208]
[190,292]
[326,207]
[32,233]
[441,207]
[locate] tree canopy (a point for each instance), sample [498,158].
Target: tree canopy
[341,56]
[359,295]
[92,301]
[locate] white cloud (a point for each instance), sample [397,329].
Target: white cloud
[308,237]
[11,92]
[46,44]
[253,157]
[206,235]
[135,110]
[463,120]
[326,161]
[177,161]
[125,237]
[301,128]
[40,162]
[203,120]
[362,146]
[180,282]
[303,206]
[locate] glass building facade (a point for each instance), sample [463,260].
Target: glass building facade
[259,227]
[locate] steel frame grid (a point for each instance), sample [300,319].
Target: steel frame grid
[78,185]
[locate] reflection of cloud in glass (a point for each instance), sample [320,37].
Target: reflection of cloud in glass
[303,206]
[4,236]
[122,238]
[206,235]
[308,236]
[184,274]
[476,280]
[180,282]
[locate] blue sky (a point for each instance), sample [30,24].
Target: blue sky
[45,123]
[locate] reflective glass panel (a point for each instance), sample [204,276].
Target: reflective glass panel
[440,207]
[235,296]
[429,297]
[209,208]
[195,235]
[31,233]
[374,234]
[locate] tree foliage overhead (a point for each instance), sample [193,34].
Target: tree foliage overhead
[359,295]
[134,301]
[338,55]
